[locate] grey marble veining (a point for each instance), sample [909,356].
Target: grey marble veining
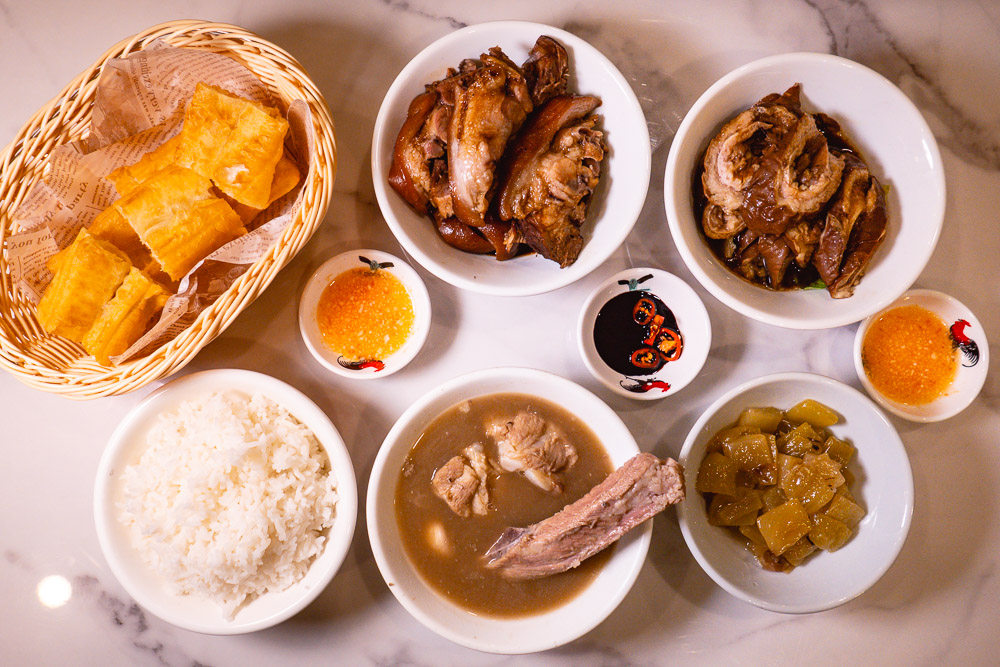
[936,605]
[858,31]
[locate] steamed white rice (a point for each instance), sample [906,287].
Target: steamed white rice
[229,499]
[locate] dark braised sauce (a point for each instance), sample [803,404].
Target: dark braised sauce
[460,576]
[762,206]
[617,335]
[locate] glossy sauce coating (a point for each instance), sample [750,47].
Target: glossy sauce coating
[365,314]
[908,355]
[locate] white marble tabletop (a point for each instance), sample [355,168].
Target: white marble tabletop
[937,604]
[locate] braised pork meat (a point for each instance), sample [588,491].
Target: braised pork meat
[529,444]
[780,191]
[546,70]
[549,175]
[489,109]
[641,488]
[447,155]
[461,482]
[855,228]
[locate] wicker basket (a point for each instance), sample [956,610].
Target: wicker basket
[55,364]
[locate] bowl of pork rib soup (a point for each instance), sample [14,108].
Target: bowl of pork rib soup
[496,504]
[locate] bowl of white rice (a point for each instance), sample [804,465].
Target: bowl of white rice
[225,502]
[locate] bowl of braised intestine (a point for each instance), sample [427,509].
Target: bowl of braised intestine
[510,158]
[804,190]
[508,509]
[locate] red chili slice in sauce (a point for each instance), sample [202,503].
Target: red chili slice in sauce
[643,311]
[669,345]
[646,357]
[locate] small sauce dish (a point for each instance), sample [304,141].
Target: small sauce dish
[402,345]
[644,333]
[967,339]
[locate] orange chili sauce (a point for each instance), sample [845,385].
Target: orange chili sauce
[365,314]
[908,355]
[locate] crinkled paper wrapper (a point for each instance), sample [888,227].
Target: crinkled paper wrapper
[139,104]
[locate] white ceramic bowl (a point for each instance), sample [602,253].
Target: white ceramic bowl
[969,378]
[147,587]
[692,322]
[500,635]
[617,201]
[893,137]
[333,267]
[884,486]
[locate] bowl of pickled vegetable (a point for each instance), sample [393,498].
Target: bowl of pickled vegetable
[802,492]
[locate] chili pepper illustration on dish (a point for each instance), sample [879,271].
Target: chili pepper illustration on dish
[361,364]
[961,341]
[642,386]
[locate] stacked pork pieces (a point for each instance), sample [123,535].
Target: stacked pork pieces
[501,158]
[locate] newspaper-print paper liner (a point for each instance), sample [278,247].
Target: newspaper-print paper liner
[139,104]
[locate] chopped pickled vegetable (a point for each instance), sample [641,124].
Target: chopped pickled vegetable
[780,478]
[737,510]
[772,497]
[843,509]
[839,450]
[828,534]
[783,526]
[727,435]
[800,440]
[814,413]
[766,419]
[753,534]
[717,474]
[749,451]
[798,552]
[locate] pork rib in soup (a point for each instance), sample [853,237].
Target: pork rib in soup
[538,459]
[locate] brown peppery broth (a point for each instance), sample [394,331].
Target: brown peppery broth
[785,200]
[457,570]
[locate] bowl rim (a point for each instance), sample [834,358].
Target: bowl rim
[382,133]
[334,550]
[902,410]
[905,475]
[675,209]
[415,288]
[380,477]
[585,327]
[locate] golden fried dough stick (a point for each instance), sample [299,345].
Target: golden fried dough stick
[125,318]
[127,178]
[178,218]
[286,177]
[88,275]
[209,225]
[112,227]
[235,142]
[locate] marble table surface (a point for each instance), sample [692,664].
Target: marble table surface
[937,604]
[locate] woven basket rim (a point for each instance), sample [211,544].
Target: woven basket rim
[39,360]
